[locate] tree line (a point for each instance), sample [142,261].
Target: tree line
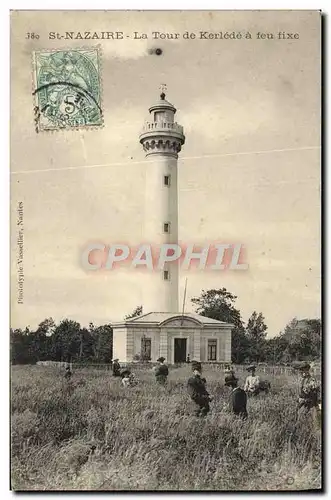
[69,341]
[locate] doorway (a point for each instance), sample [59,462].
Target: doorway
[180,350]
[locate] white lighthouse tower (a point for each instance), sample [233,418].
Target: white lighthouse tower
[163,331]
[162,139]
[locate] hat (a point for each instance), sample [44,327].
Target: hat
[161,359]
[196,365]
[251,367]
[68,368]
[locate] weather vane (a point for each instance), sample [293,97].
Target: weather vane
[163,88]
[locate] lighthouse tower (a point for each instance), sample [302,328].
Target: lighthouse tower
[162,139]
[162,331]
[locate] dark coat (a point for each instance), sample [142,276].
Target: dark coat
[238,402]
[161,373]
[196,387]
[116,369]
[162,370]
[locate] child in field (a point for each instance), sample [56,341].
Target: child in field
[128,379]
[133,380]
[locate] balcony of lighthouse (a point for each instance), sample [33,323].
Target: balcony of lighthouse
[162,126]
[162,137]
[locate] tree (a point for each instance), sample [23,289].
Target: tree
[40,340]
[304,338]
[19,346]
[102,342]
[135,313]
[256,332]
[300,340]
[276,350]
[46,327]
[66,341]
[220,304]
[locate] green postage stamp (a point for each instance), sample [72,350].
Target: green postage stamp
[67,89]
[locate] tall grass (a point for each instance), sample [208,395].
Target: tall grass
[93,434]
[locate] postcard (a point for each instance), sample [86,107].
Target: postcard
[166,328]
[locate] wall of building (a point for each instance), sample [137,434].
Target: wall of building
[120,344]
[173,333]
[162,339]
[223,337]
[228,346]
[128,341]
[136,334]
[182,328]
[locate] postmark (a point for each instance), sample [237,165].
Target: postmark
[67,89]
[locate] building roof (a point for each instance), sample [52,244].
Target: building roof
[161,317]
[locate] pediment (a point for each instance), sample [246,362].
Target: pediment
[180,321]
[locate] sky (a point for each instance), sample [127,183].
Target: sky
[249,170]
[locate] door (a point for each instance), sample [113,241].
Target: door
[180,350]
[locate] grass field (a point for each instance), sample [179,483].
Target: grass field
[147,438]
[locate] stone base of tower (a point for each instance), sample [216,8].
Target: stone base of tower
[173,336]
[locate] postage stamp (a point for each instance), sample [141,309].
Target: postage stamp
[67,89]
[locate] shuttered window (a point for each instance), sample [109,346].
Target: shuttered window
[146,348]
[212,349]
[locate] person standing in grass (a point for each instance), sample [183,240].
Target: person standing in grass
[309,389]
[309,403]
[238,398]
[228,373]
[196,386]
[161,371]
[252,383]
[116,368]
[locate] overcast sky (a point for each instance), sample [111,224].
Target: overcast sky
[260,97]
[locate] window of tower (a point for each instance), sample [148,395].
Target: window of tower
[166,227]
[166,275]
[159,116]
[166,180]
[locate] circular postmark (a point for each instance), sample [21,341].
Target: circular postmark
[68,91]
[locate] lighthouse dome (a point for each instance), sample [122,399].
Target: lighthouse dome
[162,104]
